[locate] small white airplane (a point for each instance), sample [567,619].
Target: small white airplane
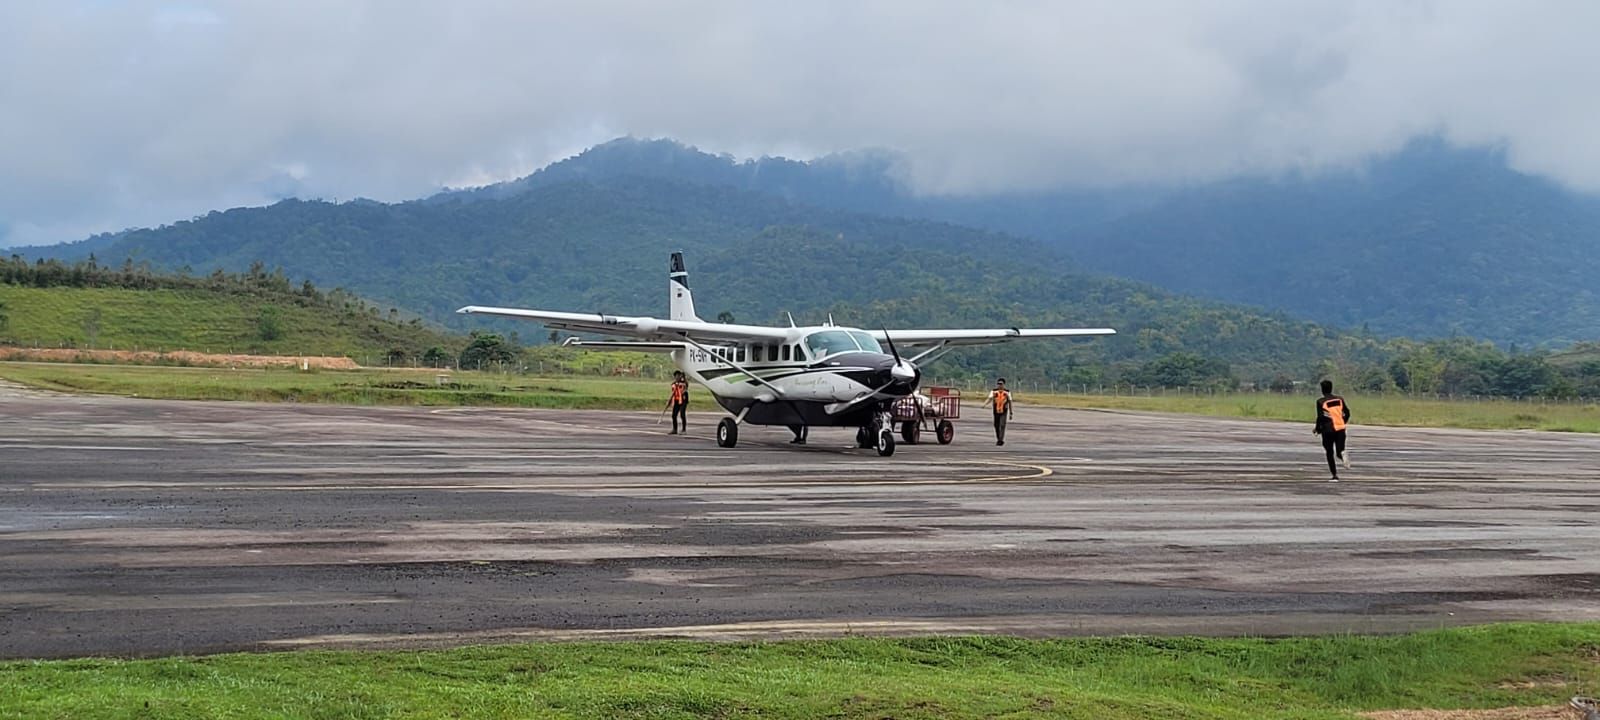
[821,375]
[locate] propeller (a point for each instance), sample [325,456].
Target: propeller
[902,370]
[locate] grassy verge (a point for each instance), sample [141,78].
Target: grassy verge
[1112,678]
[1390,410]
[353,387]
[408,387]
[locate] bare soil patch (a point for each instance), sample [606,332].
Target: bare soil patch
[1547,712]
[177,357]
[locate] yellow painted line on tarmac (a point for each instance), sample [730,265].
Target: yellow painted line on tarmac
[1040,472]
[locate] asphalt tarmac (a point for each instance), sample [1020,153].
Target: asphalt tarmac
[135,528]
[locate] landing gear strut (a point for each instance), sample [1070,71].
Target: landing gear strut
[882,428]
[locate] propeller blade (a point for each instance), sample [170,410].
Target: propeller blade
[900,366]
[836,408]
[891,345]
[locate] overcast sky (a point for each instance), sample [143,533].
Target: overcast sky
[119,114]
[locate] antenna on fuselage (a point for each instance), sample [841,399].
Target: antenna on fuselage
[830,319]
[791,318]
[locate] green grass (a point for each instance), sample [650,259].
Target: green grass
[987,677]
[199,320]
[1392,410]
[349,387]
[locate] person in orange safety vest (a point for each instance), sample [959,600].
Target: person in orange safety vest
[1333,415]
[1000,399]
[679,401]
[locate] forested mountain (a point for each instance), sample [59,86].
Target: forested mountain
[598,241]
[1432,241]
[601,245]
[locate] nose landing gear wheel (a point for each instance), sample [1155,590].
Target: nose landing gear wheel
[727,433]
[885,442]
[946,431]
[863,438]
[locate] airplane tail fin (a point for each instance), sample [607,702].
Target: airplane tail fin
[680,302]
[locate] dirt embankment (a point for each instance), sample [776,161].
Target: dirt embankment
[179,357]
[1550,712]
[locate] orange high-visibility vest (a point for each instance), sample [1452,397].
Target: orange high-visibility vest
[1002,398]
[680,393]
[1334,408]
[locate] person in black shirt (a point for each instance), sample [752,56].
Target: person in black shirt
[1332,416]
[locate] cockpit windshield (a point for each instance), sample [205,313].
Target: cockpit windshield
[829,342]
[867,342]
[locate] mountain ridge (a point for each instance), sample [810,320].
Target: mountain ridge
[1431,241]
[601,246]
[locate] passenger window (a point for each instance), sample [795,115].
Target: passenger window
[772,353]
[786,353]
[738,354]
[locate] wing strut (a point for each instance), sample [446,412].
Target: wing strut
[933,353]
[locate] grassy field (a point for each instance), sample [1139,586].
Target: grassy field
[1394,410]
[354,387]
[198,320]
[399,387]
[1101,679]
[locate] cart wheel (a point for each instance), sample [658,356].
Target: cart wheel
[863,438]
[946,430]
[885,442]
[727,433]
[911,432]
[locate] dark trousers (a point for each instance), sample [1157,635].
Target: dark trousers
[1333,445]
[1000,426]
[680,410]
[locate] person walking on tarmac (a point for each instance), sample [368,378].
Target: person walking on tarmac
[679,401]
[1000,399]
[1333,414]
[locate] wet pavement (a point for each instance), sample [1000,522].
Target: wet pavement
[136,527]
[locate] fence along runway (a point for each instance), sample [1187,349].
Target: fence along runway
[144,527]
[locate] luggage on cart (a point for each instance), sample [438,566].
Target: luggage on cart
[934,411]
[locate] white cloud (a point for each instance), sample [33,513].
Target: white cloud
[119,114]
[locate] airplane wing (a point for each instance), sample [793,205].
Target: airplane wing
[626,346]
[922,338]
[641,328]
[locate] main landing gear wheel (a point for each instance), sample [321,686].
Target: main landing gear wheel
[911,432]
[727,433]
[946,431]
[885,442]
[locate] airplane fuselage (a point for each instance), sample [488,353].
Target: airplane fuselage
[803,380]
